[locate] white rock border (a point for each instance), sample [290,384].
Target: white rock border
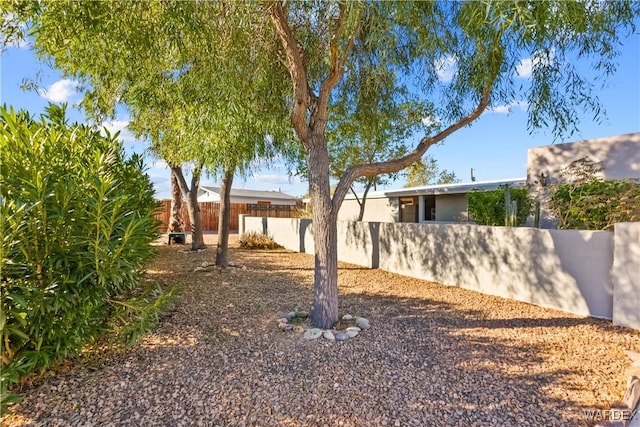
[356,325]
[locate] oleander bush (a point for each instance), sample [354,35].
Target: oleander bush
[76,223]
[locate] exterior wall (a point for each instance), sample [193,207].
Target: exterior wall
[563,269]
[205,196]
[293,234]
[451,207]
[357,242]
[375,209]
[625,275]
[618,156]
[580,272]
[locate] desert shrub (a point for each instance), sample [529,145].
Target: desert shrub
[595,204]
[255,240]
[584,200]
[487,207]
[76,219]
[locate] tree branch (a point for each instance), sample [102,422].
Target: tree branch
[337,67]
[297,69]
[395,165]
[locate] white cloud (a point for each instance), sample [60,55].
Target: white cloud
[120,126]
[159,164]
[508,108]
[18,44]
[275,179]
[162,187]
[524,68]
[431,121]
[541,58]
[446,68]
[60,91]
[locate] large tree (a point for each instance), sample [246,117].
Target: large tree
[199,79]
[427,172]
[461,58]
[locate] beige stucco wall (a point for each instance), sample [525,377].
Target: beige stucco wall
[619,156]
[591,273]
[563,269]
[376,209]
[625,275]
[451,207]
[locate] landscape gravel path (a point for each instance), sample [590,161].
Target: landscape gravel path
[434,356]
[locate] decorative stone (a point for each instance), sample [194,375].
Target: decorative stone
[303,314]
[313,334]
[352,334]
[362,323]
[353,328]
[292,315]
[288,328]
[282,326]
[205,264]
[286,316]
[298,329]
[347,317]
[341,336]
[283,320]
[329,335]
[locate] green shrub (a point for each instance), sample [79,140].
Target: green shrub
[255,240]
[76,223]
[595,204]
[487,207]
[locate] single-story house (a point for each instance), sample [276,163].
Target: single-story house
[429,204]
[242,196]
[618,157]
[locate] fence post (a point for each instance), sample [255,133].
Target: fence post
[241,224]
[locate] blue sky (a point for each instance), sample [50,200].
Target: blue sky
[495,146]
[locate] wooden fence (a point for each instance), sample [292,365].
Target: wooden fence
[210,214]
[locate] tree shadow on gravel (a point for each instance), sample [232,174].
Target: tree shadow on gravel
[434,356]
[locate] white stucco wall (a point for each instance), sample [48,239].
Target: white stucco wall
[591,273]
[563,269]
[618,156]
[625,275]
[379,209]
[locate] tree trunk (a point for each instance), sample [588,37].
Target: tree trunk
[176,222]
[324,313]
[222,252]
[191,197]
[364,198]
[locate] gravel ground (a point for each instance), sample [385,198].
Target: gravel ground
[434,356]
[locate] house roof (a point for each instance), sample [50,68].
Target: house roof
[457,188]
[240,192]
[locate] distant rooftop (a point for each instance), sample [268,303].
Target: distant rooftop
[457,188]
[241,192]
